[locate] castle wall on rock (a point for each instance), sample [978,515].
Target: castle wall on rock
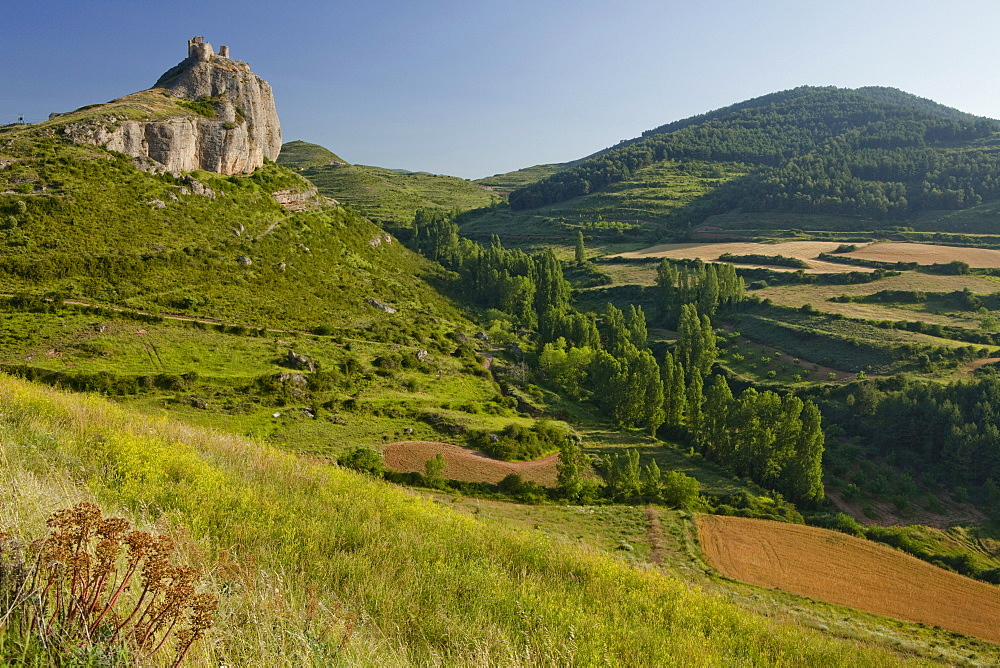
[243,132]
[201,50]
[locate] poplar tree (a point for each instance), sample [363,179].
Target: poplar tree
[635,322]
[651,481]
[674,390]
[615,335]
[714,435]
[648,396]
[581,249]
[569,479]
[802,476]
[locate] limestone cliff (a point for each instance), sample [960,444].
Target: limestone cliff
[230,127]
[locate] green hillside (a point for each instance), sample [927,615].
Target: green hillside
[86,224]
[317,565]
[505,183]
[303,155]
[627,210]
[190,292]
[252,332]
[858,159]
[385,196]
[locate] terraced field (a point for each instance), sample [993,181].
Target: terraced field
[841,569]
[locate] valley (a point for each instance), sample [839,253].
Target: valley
[696,399]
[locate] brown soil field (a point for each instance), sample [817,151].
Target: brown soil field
[897,251]
[807,251]
[836,568]
[467,465]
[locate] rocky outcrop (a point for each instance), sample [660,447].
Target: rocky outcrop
[231,129]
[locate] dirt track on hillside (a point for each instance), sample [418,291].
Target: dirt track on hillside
[837,568]
[465,464]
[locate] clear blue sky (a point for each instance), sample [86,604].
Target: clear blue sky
[476,88]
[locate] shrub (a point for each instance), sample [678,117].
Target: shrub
[517,442]
[365,460]
[203,106]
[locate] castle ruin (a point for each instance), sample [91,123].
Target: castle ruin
[201,50]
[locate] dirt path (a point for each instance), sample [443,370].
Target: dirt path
[654,532]
[844,570]
[976,364]
[465,464]
[183,318]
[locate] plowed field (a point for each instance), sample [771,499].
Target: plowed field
[465,464]
[837,568]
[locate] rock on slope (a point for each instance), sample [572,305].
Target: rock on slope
[236,126]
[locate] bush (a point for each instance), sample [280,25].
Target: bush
[365,460]
[679,490]
[518,443]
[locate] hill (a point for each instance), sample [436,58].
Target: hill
[248,302]
[386,196]
[864,158]
[85,223]
[505,183]
[303,155]
[325,565]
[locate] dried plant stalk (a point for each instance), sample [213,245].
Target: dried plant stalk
[95,581]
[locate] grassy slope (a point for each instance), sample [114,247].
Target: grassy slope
[80,223]
[302,155]
[504,183]
[650,196]
[383,195]
[427,585]
[83,228]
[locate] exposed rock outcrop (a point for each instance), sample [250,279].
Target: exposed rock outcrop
[230,130]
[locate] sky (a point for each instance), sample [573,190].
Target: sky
[473,88]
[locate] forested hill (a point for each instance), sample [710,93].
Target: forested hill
[873,151]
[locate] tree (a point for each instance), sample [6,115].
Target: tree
[802,476]
[569,481]
[365,460]
[714,432]
[674,390]
[434,470]
[635,322]
[629,475]
[581,249]
[679,490]
[651,481]
[615,335]
[649,391]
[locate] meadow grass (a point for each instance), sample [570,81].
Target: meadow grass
[300,552]
[392,197]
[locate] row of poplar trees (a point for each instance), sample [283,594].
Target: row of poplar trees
[776,441]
